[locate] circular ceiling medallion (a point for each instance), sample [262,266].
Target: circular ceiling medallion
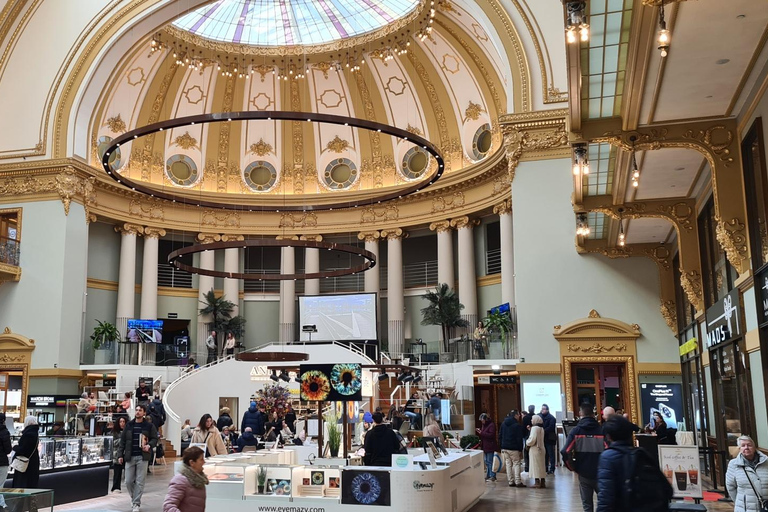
[415,163]
[369,258]
[260,176]
[340,174]
[181,170]
[482,142]
[272,357]
[103,143]
[249,203]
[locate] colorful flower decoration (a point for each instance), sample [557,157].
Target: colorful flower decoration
[272,397]
[314,386]
[346,378]
[366,488]
[318,478]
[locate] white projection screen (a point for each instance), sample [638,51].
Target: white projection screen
[339,317]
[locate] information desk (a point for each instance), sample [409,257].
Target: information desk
[454,486]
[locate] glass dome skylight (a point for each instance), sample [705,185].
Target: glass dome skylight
[291,22]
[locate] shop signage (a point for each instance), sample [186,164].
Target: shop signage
[724,320]
[421,486]
[680,464]
[484,380]
[503,379]
[403,461]
[50,400]
[666,399]
[764,297]
[173,315]
[689,346]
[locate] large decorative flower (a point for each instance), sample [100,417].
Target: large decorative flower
[315,386]
[345,378]
[366,488]
[317,478]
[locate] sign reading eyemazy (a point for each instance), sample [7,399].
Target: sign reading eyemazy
[724,320]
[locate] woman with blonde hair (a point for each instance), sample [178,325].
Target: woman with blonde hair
[431,428]
[537,453]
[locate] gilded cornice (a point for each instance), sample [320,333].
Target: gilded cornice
[440,226]
[152,232]
[130,229]
[534,135]
[287,237]
[369,236]
[394,234]
[232,238]
[312,238]
[207,238]
[464,222]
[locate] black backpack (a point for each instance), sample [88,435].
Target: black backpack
[646,489]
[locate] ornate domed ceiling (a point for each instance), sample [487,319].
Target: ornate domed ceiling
[445,87]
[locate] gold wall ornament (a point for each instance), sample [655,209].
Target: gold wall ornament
[295,220]
[732,237]
[224,132]
[593,314]
[262,70]
[154,115]
[261,148]
[464,222]
[25,185]
[146,209]
[69,184]
[376,162]
[503,208]
[337,145]
[536,133]
[435,101]
[443,203]
[369,236]
[152,232]
[116,124]
[5,358]
[501,183]
[223,219]
[186,141]
[379,213]
[232,238]
[312,238]
[440,226]
[129,228]
[414,130]
[669,312]
[324,67]
[473,111]
[661,254]
[597,348]
[394,234]
[691,284]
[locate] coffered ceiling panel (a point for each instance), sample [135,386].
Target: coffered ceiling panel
[667,172]
[647,230]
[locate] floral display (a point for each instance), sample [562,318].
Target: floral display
[273,397]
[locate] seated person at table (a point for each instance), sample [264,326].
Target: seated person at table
[247,439]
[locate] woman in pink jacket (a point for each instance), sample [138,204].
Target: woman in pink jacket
[186,492]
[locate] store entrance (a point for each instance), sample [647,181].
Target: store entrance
[600,385]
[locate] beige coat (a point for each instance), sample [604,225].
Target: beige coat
[538,454]
[214,443]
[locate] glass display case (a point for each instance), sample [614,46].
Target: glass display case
[96,449]
[45,449]
[317,482]
[66,452]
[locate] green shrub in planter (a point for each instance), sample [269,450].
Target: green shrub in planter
[469,441]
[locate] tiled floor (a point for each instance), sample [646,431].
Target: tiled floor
[561,495]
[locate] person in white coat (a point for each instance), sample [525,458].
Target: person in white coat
[537,453]
[747,477]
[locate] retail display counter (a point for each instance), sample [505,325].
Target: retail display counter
[67,462]
[455,485]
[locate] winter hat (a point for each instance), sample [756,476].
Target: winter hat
[367,418]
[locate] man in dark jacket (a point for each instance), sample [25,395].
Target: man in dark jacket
[142,393]
[137,444]
[527,432]
[5,449]
[253,418]
[610,468]
[225,420]
[247,439]
[380,443]
[550,437]
[581,454]
[511,441]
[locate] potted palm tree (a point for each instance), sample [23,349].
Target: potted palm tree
[220,310]
[499,323]
[103,336]
[444,309]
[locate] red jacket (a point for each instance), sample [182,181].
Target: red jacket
[488,437]
[183,497]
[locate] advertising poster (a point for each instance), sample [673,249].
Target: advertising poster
[331,382]
[539,393]
[667,399]
[680,464]
[365,488]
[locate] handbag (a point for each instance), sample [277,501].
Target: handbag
[763,504]
[21,463]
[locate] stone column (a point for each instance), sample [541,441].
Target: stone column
[395,302]
[312,265]
[149,287]
[372,276]
[287,293]
[126,281]
[445,272]
[232,265]
[504,211]
[467,276]
[205,285]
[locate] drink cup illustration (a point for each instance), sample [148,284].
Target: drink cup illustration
[681,477]
[693,475]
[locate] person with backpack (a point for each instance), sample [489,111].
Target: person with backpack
[511,441]
[628,479]
[747,478]
[581,454]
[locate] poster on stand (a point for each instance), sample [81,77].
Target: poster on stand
[681,466]
[365,488]
[667,399]
[331,382]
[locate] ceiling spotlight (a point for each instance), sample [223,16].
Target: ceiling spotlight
[401,377]
[418,378]
[297,379]
[580,160]
[582,225]
[576,21]
[284,376]
[383,376]
[274,376]
[408,378]
[664,34]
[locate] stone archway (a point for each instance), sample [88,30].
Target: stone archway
[16,355]
[598,340]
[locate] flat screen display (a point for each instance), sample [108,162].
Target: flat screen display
[340,382]
[145,331]
[339,317]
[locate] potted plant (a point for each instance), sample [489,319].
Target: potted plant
[219,310]
[444,310]
[334,434]
[102,337]
[262,478]
[499,323]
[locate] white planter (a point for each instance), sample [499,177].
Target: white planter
[101,356]
[496,351]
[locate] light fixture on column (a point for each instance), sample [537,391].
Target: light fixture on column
[633,162]
[417,378]
[576,20]
[622,236]
[582,226]
[580,160]
[383,376]
[664,37]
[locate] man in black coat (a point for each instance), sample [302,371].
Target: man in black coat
[380,443]
[582,452]
[5,449]
[550,437]
[137,444]
[527,432]
[511,442]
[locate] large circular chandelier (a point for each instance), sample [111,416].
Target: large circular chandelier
[209,201]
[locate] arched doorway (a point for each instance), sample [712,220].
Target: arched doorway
[15,360]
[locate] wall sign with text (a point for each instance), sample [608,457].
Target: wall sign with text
[724,320]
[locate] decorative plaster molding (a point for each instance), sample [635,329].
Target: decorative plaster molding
[440,226]
[597,348]
[150,232]
[130,229]
[207,238]
[394,234]
[369,236]
[503,208]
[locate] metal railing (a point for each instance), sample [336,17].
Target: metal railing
[10,250]
[170,276]
[262,286]
[493,262]
[415,275]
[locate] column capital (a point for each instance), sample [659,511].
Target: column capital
[369,236]
[503,207]
[232,238]
[129,229]
[208,238]
[464,222]
[151,232]
[286,237]
[394,234]
[440,226]
[311,238]
[90,218]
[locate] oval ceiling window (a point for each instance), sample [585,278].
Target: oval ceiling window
[482,142]
[115,160]
[415,163]
[181,170]
[260,176]
[340,174]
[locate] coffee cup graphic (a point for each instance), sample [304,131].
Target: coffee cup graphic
[668,474]
[681,477]
[693,475]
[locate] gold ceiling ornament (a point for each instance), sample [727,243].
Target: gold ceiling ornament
[657,3]
[261,148]
[116,124]
[536,133]
[414,130]
[224,132]
[661,254]
[503,207]
[473,111]
[262,70]
[337,145]
[669,312]
[442,203]
[221,219]
[379,213]
[152,232]
[69,184]
[186,141]
[295,220]
[732,237]
[597,348]
[593,314]
[146,209]
[369,236]
[691,284]
[440,226]
[324,67]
